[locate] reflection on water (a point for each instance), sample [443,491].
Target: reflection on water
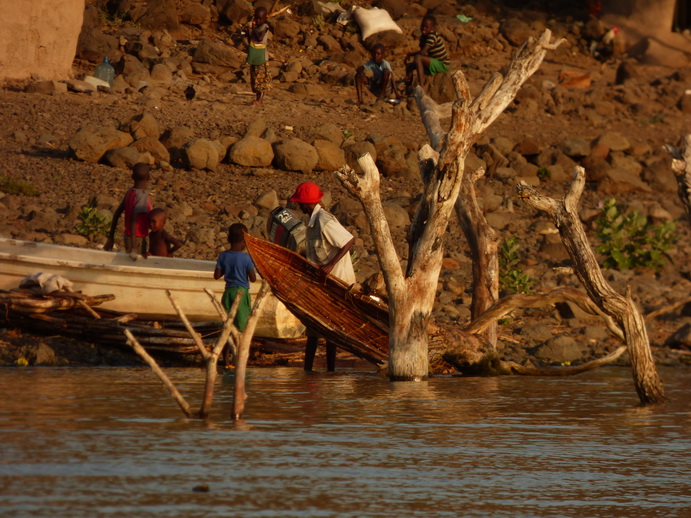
[110,442]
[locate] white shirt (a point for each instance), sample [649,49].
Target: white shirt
[325,237]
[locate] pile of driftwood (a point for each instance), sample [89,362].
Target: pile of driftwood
[76,315]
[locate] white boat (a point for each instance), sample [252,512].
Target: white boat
[139,286]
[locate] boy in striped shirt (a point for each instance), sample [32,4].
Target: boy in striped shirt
[432,57]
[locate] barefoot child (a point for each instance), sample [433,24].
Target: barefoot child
[432,57]
[258,34]
[136,206]
[237,268]
[161,243]
[381,84]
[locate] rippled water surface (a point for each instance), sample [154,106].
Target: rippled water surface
[111,442]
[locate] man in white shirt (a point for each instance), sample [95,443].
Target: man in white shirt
[327,246]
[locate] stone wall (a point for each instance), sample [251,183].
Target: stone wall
[39,38]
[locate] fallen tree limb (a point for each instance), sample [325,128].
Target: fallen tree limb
[506,305]
[563,371]
[668,308]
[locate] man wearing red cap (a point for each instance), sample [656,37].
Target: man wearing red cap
[327,246]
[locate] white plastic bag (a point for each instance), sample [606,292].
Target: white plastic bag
[372,21]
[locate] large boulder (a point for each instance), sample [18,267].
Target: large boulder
[174,140]
[154,147]
[441,88]
[156,14]
[143,125]
[93,44]
[217,54]
[331,156]
[295,155]
[251,151]
[125,157]
[201,154]
[39,38]
[516,31]
[92,142]
[235,11]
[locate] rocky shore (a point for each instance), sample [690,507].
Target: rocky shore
[217,160]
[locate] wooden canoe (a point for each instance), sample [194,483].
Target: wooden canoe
[356,322]
[139,287]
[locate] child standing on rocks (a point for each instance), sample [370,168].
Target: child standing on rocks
[237,268]
[381,82]
[161,243]
[258,34]
[136,206]
[432,57]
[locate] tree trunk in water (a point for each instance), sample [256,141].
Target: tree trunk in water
[411,296]
[565,216]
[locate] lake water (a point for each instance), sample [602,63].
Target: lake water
[110,442]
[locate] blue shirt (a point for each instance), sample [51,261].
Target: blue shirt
[235,267]
[377,70]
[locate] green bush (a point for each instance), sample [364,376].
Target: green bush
[11,186]
[92,223]
[629,240]
[511,278]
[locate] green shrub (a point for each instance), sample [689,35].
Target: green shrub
[92,223]
[629,240]
[511,277]
[12,186]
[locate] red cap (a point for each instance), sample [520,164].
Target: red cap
[307,192]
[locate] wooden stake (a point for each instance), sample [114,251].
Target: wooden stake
[239,393]
[182,403]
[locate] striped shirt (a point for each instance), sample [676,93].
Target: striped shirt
[437,48]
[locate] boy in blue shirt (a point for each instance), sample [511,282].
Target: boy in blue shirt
[237,268]
[381,84]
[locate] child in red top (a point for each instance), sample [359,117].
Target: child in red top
[136,206]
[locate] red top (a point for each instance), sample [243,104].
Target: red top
[137,203]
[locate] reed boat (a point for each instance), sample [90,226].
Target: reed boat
[356,322]
[138,286]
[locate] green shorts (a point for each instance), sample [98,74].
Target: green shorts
[244,309]
[437,67]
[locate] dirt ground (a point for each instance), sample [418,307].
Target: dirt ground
[35,130]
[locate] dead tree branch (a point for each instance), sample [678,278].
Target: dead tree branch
[622,309]
[483,243]
[182,403]
[243,347]
[564,371]
[506,305]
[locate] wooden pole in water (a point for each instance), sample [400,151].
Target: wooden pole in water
[182,403]
[243,347]
[212,361]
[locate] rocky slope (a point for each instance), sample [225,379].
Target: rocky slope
[218,160]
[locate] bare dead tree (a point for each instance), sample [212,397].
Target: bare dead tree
[412,294]
[564,214]
[483,243]
[681,166]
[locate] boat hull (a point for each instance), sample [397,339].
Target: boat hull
[139,287]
